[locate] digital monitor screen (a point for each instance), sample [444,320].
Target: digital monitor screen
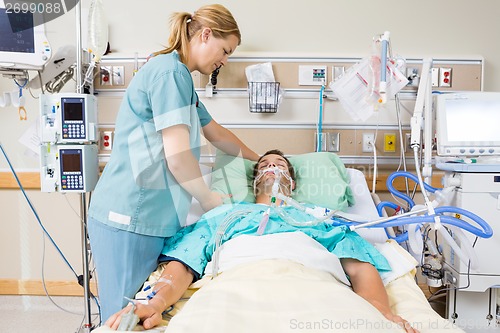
[467,124]
[73,109]
[71,161]
[23,44]
[16,32]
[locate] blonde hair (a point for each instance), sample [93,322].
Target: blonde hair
[184,27]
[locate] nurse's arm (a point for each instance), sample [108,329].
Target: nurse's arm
[185,168]
[226,141]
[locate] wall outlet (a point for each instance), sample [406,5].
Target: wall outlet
[412,76]
[118,78]
[334,142]
[368,142]
[106,140]
[407,142]
[389,143]
[444,77]
[106,76]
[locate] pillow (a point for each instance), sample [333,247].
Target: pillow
[321,179]
[233,175]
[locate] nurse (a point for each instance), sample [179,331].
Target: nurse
[145,191]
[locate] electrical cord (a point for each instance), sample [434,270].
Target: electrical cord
[57,83]
[35,212]
[45,233]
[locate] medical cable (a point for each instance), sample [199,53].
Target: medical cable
[46,233]
[263,222]
[375,163]
[402,156]
[455,288]
[35,212]
[226,180]
[428,203]
[319,140]
[219,236]
[160,280]
[129,320]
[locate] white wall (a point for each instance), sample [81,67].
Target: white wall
[445,28]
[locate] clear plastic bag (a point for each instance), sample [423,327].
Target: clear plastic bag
[98,30]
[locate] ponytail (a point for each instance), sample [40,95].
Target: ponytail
[184,26]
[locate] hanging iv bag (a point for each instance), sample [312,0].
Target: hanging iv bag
[98,30]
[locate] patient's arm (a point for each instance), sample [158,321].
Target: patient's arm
[167,295]
[366,282]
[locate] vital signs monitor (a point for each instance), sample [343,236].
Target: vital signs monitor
[467,124]
[23,45]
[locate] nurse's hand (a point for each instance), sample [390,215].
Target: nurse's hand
[215,199]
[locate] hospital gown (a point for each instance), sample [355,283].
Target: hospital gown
[194,245]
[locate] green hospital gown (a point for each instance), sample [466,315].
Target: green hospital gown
[194,245]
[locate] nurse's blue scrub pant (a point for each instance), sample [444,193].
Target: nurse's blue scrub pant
[123,260]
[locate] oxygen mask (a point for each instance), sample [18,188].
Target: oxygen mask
[277,185]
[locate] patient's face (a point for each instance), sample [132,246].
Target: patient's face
[266,181]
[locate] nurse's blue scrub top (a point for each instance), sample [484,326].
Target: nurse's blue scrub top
[136,191]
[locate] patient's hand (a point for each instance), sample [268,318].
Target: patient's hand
[401,322]
[149,314]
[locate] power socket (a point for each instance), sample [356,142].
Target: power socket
[106,75]
[368,142]
[389,142]
[444,77]
[407,142]
[106,140]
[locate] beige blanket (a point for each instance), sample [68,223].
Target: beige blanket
[283,296]
[280,295]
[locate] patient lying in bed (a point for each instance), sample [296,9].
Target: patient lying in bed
[189,251]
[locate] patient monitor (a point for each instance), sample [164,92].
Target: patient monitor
[467,124]
[23,45]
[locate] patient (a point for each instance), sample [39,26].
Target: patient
[188,252]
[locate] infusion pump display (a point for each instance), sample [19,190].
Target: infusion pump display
[69,168]
[68,118]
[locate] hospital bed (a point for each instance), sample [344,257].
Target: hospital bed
[260,289]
